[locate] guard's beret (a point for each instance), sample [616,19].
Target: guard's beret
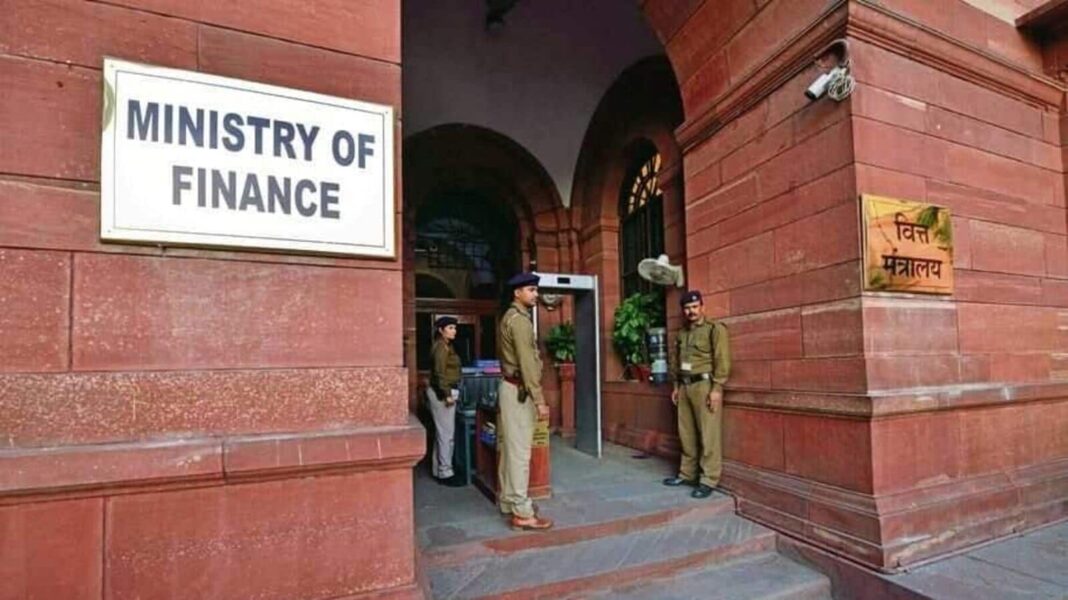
[444,322]
[690,297]
[523,280]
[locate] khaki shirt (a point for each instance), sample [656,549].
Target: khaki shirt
[446,369]
[519,350]
[706,347]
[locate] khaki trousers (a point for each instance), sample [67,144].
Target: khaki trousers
[699,434]
[515,435]
[444,433]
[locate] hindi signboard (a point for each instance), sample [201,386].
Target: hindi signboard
[195,159]
[908,246]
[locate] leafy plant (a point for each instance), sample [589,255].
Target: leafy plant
[877,279]
[561,342]
[934,219]
[633,317]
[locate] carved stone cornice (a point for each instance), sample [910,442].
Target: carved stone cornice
[867,21]
[792,57]
[1049,17]
[891,403]
[875,24]
[901,527]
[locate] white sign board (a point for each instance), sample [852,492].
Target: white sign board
[194,159]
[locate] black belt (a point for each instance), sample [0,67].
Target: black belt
[688,379]
[517,381]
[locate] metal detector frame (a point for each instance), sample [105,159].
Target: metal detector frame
[585,289]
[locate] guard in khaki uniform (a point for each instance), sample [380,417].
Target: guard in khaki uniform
[441,397]
[701,364]
[520,404]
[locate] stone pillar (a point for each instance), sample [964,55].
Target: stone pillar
[889,428]
[969,403]
[228,424]
[566,374]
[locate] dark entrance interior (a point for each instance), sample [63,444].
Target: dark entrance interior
[465,248]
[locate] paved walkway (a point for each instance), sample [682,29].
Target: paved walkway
[624,486]
[623,483]
[1034,565]
[619,534]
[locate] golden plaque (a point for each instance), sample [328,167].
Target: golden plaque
[908,246]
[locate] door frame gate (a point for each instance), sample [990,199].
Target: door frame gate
[587,299]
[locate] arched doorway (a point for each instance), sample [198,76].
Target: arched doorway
[465,248]
[478,207]
[628,202]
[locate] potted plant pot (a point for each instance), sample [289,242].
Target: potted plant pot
[561,345]
[565,371]
[637,372]
[633,319]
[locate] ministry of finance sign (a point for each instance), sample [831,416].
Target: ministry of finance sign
[908,246]
[195,159]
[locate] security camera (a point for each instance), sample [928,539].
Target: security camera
[818,87]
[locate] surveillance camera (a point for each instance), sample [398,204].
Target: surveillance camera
[818,87]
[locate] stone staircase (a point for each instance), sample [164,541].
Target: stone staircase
[629,538]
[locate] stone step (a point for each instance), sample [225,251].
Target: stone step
[602,563]
[766,576]
[631,507]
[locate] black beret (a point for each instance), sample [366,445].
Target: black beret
[690,297]
[523,280]
[444,322]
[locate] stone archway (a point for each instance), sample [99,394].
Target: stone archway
[640,110]
[458,158]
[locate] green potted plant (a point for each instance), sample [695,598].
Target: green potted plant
[561,345]
[633,318]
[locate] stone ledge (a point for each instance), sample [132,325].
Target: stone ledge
[792,57]
[870,22]
[111,469]
[48,410]
[888,532]
[867,21]
[887,403]
[1046,17]
[650,441]
[374,447]
[404,592]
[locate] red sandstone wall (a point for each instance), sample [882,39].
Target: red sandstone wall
[996,163]
[990,149]
[995,158]
[833,431]
[772,231]
[165,350]
[92,309]
[643,104]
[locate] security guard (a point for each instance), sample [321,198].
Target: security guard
[520,404]
[441,397]
[701,364]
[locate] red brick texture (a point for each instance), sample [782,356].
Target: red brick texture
[992,161]
[52,550]
[890,428]
[776,230]
[773,231]
[231,508]
[129,346]
[100,307]
[303,538]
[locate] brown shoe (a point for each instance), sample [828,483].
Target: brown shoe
[534,523]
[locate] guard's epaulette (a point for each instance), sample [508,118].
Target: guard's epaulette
[510,314]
